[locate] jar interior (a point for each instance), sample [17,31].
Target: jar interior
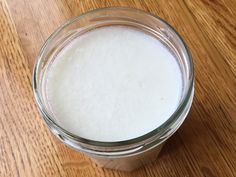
[139,21]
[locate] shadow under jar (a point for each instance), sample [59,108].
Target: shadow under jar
[121,154]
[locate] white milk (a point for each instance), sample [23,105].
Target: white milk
[113,84]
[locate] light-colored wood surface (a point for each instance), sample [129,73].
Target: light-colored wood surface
[205,145]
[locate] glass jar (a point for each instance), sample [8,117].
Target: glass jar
[123,155]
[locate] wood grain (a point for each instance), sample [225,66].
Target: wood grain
[205,145]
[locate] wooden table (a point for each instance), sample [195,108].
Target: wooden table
[205,145]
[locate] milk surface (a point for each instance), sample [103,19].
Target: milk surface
[113,84]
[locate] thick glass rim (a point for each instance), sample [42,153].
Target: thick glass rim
[46,116]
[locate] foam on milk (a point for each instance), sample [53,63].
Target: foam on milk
[113,84]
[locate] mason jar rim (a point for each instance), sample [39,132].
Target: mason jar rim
[148,135]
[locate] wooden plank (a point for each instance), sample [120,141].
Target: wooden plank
[27,147]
